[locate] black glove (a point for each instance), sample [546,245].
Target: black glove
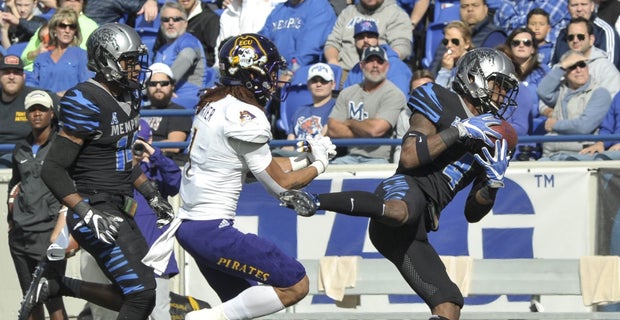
[104,225]
[156,201]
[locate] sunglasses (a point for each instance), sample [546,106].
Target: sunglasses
[155,83]
[525,42]
[579,36]
[581,64]
[167,19]
[71,26]
[454,41]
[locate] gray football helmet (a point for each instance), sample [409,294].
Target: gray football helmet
[111,43]
[475,69]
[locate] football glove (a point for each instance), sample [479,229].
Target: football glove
[321,150]
[162,208]
[478,128]
[104,225]
[495,166]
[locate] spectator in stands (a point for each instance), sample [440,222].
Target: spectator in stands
[521,48]
[606,150]
[578,104]
[36,47]
[514,14]
[64,66]
[166,175]
[609,11]
[183,52]
[582,39]
[367,110]
[394,29]
[367,34]
[14,126]
[523,51]
[243,16]
[457,41]
[538,21]
[19,23]
[32,208]
[204,24]
[113,10]
[311,120]
[484,33]
[299,28]
[159,91]
[605,37]
[46,8]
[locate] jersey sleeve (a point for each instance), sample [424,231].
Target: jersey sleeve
[247,123]
[425,100]
[79,115]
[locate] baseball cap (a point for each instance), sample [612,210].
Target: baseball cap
[38,97]
[11,61]
[366,25]
[144,130]
[374,51]
[321,70]
[159,67]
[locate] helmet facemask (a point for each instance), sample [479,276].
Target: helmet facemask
[499,94]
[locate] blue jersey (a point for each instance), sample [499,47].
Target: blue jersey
[109,128]
[456,167]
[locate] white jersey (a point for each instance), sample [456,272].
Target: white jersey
[218,158]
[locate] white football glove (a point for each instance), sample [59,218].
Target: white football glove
[321,150]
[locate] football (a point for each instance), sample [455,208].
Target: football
[508,132]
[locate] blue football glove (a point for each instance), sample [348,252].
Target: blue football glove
[105,226]
[478,128]
[495,166]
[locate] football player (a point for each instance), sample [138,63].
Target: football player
[230,138]
[440,156]
[89,169]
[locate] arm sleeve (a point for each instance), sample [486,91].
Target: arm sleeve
[61,155]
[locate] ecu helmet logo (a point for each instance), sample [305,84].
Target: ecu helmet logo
[247,53]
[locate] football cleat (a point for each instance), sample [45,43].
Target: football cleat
[37,292]
[304,203]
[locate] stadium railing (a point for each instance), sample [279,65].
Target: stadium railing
[559,277]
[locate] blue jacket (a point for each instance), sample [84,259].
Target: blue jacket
[165,172]
[399,72]
[300,31]
[604,38]
[611,122]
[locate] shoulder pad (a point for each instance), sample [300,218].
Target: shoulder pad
[247,123]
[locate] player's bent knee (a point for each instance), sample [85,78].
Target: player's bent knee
[295,293]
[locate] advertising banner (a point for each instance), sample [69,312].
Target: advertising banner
[541,213]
